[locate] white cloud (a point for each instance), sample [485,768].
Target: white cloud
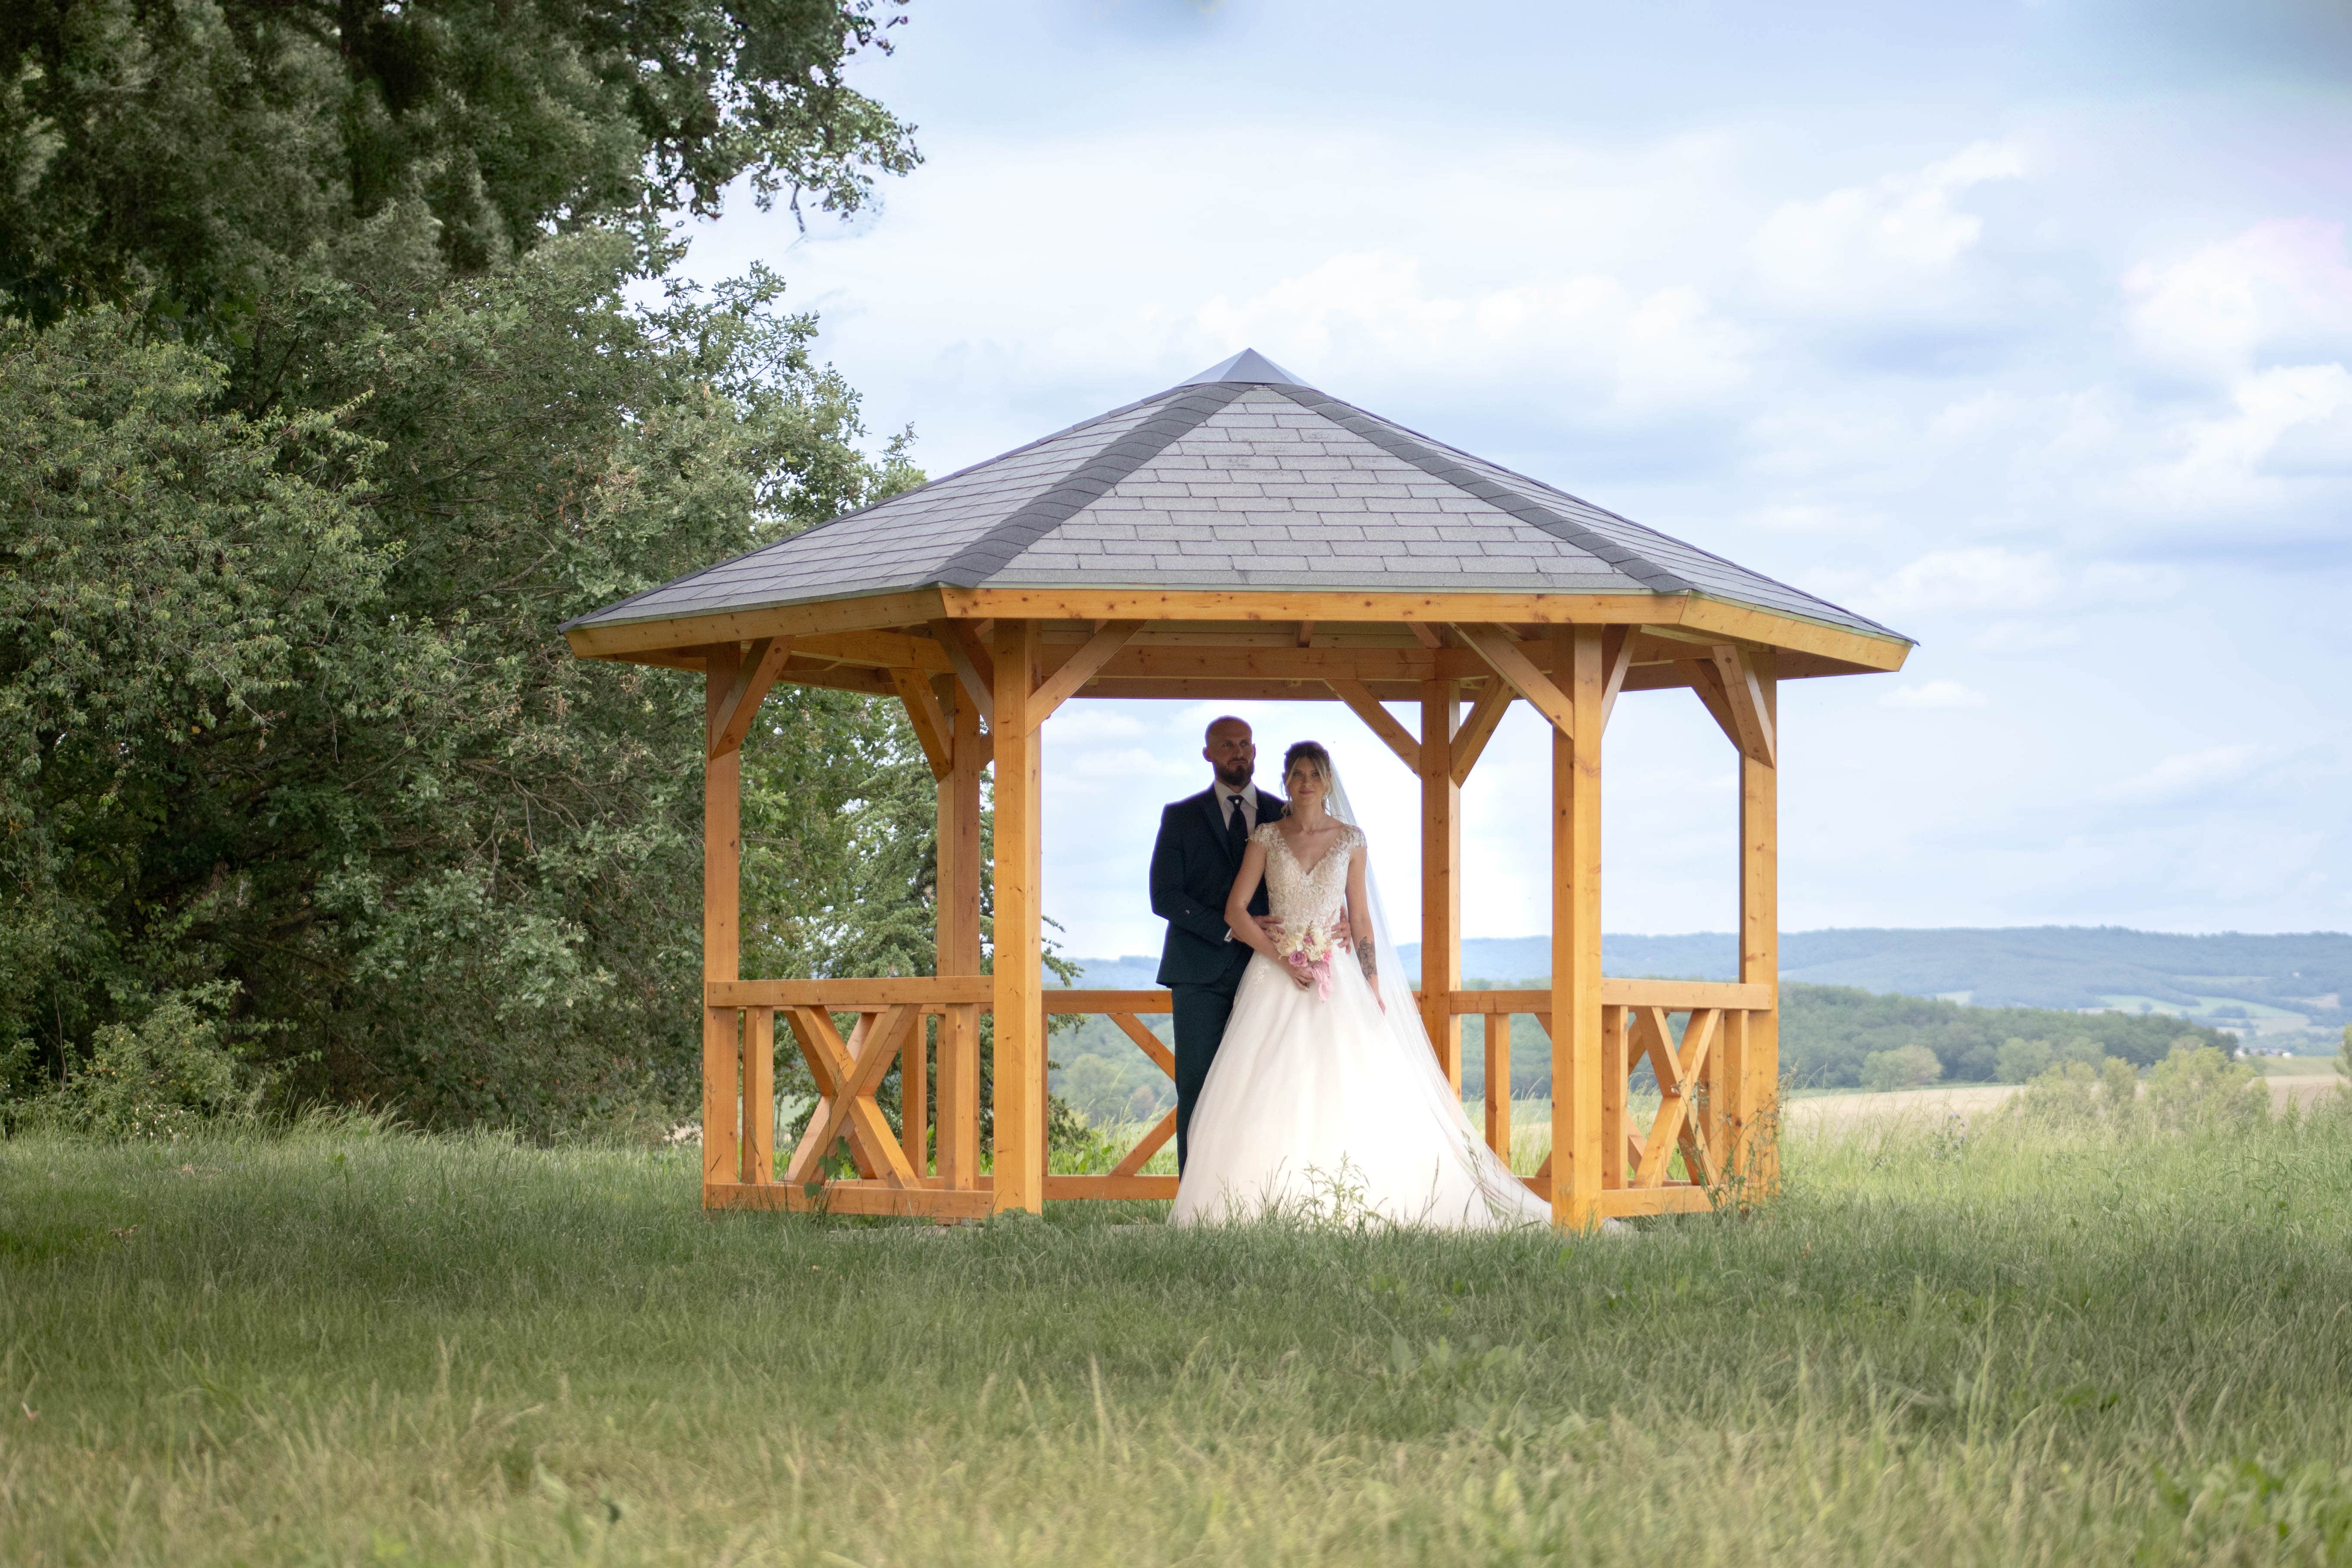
[2282,285]
[2228,461]
[1935,695]
[2188,773]
[1370,315]
[1861,244]
[1983,577]
[2025,636]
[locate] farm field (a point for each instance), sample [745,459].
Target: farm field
[343,1346]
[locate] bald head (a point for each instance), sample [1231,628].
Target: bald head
[1231,751]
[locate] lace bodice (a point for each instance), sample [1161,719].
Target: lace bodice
[1304,900]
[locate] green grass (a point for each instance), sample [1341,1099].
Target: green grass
[346,1347]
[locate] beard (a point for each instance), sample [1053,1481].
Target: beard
[1235,776]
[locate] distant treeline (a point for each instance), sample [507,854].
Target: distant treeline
[1827,1031]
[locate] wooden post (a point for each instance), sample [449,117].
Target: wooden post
[1441,877]
[722,891]
[1614,1068]
[1577,1047]
[759,1154]
[1498,1084]
[1020,1080]
[958,909]
[1755,1157]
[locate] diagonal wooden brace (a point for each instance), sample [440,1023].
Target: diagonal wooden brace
[1502,654]
[1668,1133]
[753,676]
[1478,728]
[850,1108]
[974,666]
[932,730]
[1079,668]
[1366,707]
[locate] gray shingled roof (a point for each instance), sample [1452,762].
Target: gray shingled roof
[1242,476]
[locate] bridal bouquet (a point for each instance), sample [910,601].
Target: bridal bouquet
[1310,951]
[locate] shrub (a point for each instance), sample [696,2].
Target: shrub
[171,1074]
[2064,1097]
[2021,1061]
[1906,1066]
[2200,1090]
[2119,1095]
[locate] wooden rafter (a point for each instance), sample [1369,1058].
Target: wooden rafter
[1079,668]
[1381,722]
[756,672]
[1751,716]
[968,657]
[1305,634]
[1478,728]
[1617,645]
[1425,632]
[1707,684]
[1502,654]
[929,719]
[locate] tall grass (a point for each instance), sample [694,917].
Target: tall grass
[350,1346]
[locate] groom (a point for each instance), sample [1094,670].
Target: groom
[1199,850]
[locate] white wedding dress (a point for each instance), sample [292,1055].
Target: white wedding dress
[1326,1107]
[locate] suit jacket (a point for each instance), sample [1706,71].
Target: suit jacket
[1192,869]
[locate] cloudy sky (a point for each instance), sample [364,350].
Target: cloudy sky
[2024,328]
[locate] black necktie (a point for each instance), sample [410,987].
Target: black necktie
[1237,830]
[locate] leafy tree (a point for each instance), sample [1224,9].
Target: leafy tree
[344,367]
[176,151]
[1904,1066]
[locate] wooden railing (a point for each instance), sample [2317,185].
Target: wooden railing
[1710,1096]
[1709,1099]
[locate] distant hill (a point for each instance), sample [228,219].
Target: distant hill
[2257,985]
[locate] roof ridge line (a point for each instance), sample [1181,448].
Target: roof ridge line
[603,611]
[1427,456]
[972,566]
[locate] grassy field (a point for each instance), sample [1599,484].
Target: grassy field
[345,1347]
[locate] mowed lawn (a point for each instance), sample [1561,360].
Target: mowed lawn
[345,1347]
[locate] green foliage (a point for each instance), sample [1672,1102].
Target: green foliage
[359,373]
[1829,1031]
[177,152]
[173,1074]
[2198,1089]
[1904,1066]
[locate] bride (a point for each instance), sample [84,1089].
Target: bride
[1325,1096]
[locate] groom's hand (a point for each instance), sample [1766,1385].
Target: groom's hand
[1340,934]
[1271,926]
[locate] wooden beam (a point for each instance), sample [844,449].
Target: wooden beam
[1147,1146]
[755,671]
[957,904]
[882,650]
[1707,684]
[874,612]
[1379,719]
[1617,647]
[1745,698]
[930,724]
[1503,656]
[1305,634]
[1425,634]
[1752,1153]
[760,1094]
[1478,728]
[1497,1039]
[1440,874]
[1147,1042]
[851,1198]
[1078,668]
[722,891]
[849,1110]
[1577,1043]
[970,661]
[1615,1070]
[1675,995]
[1020,1066]
[1142,659]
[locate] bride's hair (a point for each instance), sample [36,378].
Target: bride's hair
[1312,754]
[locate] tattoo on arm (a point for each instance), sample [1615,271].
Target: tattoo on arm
[1364,957]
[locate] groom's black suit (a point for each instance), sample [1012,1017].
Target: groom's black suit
[1192,866]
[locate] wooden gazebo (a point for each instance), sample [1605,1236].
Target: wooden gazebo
[1240,535]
